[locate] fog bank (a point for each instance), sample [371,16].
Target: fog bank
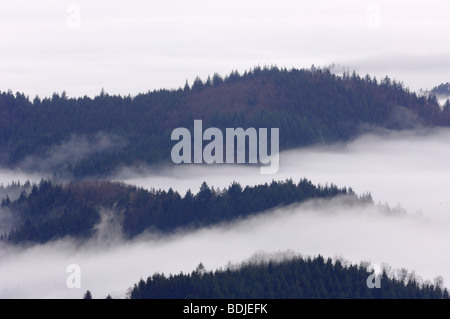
[331,228]
[411,168]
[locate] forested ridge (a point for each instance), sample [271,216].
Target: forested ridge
[110,131]
[295,278]
[51,211]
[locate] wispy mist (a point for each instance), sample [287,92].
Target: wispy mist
[7,220]
[8,176]
[70,152]
[410,168]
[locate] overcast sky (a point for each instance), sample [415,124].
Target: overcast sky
[135,46]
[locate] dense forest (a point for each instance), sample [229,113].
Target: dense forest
[94,136]
[51,211]
[295,278]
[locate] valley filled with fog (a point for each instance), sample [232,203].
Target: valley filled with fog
[410,168]
[408,171]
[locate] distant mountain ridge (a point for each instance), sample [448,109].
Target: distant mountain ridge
[95,136]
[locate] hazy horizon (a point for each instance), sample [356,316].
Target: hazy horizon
[84,46]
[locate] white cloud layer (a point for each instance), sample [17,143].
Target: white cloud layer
[410,168]
[329,228]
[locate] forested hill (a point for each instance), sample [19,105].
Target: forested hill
[50,212]
[297,278]
[93,136]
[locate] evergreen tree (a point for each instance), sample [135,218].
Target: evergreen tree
[87,295]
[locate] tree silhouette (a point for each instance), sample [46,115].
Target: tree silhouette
[87,295]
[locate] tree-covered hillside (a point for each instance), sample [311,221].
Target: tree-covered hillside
[52,211]
[297,278]
[93,136]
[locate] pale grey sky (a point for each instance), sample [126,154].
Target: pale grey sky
[134,46]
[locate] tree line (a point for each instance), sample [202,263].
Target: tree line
[51,211]
[295,278]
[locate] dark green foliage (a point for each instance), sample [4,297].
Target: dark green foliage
[52,211]
[298,278]
[308,107]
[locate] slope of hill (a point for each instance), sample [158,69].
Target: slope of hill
[52,212]
[85,137]
[297,278]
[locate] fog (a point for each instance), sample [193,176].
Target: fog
[8,176]
[409,169]
[71,151]
[330,228]
[7,220]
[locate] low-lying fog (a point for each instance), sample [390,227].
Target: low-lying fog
[411,169]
